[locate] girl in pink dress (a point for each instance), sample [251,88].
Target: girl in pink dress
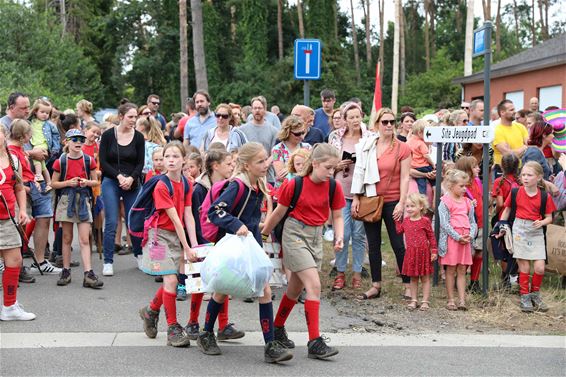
[457,230]
[420,248]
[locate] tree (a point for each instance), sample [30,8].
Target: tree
[184,56]
[381,6]
[469,37]
[366,6]
[395,79]
[253,27]
[355,42]
[427,6]
[486,5]
[301,22]
[198,45]
[280,28]
[402,71]
[498,29]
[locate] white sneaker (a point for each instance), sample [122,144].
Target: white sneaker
[15,313]
[46,267]
[108,269]
[329,235]
[139,258]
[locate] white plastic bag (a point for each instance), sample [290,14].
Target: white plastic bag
[236,266]
[193,283]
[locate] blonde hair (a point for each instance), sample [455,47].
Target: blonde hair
[453,117]
[301,152]
[290,123]
[454,176]
[19,129]
[245,155]
[40,102]
[537,168]
[162,150]
[151,128]
[380,114]
[419,200]
[321,152]
[85,106]
[226,107]
[10,159]
[174,144]
[419,126]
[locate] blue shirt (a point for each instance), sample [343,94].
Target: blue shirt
[314,136]
[195,130]
[321,121]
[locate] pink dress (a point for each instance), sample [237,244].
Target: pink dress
[456,252]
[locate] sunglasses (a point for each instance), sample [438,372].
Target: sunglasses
[77,139]
[386,122]
[146,113]
[223,116]
[298,133]
[156,103]
[465,108]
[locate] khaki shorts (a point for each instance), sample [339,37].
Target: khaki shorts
[162,254]
[9,235]
[302,246]
[61,210]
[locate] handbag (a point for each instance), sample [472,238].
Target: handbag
[370,208]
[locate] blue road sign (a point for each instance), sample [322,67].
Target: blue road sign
[307,59]
[480,43]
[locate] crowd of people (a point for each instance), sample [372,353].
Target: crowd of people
[244,169]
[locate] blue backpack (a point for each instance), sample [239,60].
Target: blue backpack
[143,214]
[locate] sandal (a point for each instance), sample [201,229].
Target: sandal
[369,296]
[462,306]
[451,306]
[356,283]
[412,305]
[424,306]
[339,282]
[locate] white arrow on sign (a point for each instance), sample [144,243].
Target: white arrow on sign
[462,134]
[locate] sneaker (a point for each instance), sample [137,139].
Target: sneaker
[229,332]
[65,277]
[206,342]
[46,267]
[538,304]
[181,292]
[329,235]
[150,319]
[280,335]
[108,269]
[526,304]
[91,281]
[274,352]
[15,312]
[192,330]
[25,275]
[177,337]
[249,300]
[125,250]
[318,349]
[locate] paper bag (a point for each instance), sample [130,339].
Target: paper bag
[556,249]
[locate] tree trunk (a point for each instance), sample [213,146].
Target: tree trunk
[401,48]
[486,9]
[469,37]
[543,24]
[335,12]
[355,42]
[498,29]
[198,45]
[366,6]
[280,28]
[432,29]
[427,34]
[301,22]
[381,6]
[533,24]
[63,14]
[516,17]
[395,80]
[546,5]
[184,58]
[233,22]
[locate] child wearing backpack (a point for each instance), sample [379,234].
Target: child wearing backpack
[302,241]
[166,244]
[529,202]
[253,164]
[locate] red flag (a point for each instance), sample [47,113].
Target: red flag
[377,90]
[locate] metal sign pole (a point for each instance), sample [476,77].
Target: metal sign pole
[306,93]
[439,149]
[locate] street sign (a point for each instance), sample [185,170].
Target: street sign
[481,43]
[463,134]
[307,59]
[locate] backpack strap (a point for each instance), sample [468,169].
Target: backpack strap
[63,167]
[543,198]
[514,192]
[165,179]
[296,193]
[86,161]
[186,184]
[331,191]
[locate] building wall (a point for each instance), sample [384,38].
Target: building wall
[529,82]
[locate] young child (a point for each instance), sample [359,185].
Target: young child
[157,159]
[253,164]
[42,126]
[296,162]
[422,161]
[74,205]
[92,134]
[528,237]
[457,230]
[193,166]
[302,242]
[11,192]
[167,246]
[420,246]
[474,192]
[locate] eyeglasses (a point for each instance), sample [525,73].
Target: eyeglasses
[386,122]
[76,139]
[465,108]
[156,103]
[408,113]
[298,133]
[223,116]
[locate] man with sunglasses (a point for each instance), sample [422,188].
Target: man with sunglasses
[153,103]
[466,107]
[314,135]
[323,114]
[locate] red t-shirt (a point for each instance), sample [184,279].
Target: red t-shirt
[313,205]
[27,174]
[476,193]
[150,174]
[91,150]
[528,207]
[75,168]
[164,201]
[503,188]
[7,190]
[183,123]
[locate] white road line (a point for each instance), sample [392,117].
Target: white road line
[132,339]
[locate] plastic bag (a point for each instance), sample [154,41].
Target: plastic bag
[236,266]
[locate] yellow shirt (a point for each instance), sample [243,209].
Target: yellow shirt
[514,135]
[37,137]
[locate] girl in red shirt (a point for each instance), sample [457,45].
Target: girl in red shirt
[157,160]
[167,246]
[528,236]
[302,242]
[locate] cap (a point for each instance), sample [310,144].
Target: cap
[74,132]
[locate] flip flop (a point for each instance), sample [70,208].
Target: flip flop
[451,306]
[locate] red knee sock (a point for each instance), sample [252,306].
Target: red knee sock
[476,267]
[196,301]
[223,315]
[157,301]
[524,283]
[170,305]
[537,282]
[312,309]
[29,231]
[285,308]
[10,283]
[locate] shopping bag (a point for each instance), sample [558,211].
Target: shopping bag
[236,266]
[273,251]
[556,249]
[193,284]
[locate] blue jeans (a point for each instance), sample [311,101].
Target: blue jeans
[111,193]
[421,182]
[355,230]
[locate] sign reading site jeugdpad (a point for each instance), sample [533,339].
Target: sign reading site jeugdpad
[463,134]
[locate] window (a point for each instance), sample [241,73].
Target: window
[517,98]
[550,96]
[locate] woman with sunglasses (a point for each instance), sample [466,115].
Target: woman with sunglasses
[391,170]
[224,132]
[292,134]
[345,140]
[144,111]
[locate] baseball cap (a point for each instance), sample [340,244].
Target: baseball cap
[74,132]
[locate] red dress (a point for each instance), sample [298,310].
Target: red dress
[420,244]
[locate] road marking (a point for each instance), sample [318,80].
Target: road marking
[133,339]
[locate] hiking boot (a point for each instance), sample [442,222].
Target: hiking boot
[15,312]
[177,337]
[150,319]
[92,281]
[318,349]
[46,267]
[474,287]
[65,277]
[229,333]
[280,335]
[181,292]
[526,304]
[192,330]
[274,352]
[25,275]
[538,304]
[206,342]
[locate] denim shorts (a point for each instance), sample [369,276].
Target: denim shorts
[41,204]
